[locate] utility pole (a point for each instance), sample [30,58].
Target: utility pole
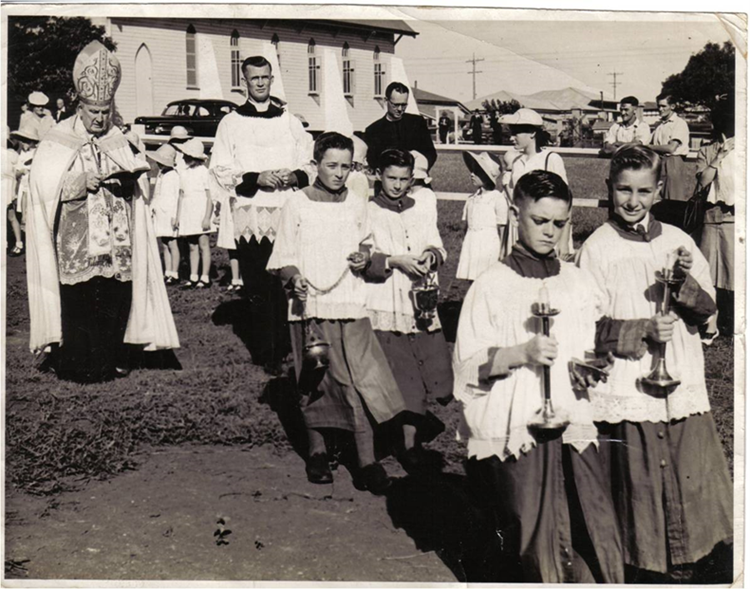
[473,61]
[614,82]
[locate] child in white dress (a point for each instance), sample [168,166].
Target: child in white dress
[485,216]
[319,254]
[194,210]
[10,158]
[164,209]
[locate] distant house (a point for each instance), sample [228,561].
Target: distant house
[432,106]
[333,73]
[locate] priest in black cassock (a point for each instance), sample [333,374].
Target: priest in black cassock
[398,129]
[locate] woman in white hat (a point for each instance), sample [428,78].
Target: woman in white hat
[38,117]
[529,140]
[194,209]
[485,216]
[164,209]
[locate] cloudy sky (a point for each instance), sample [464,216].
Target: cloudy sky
[526,56]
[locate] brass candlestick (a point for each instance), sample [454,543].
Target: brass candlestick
[659,382]
[546,418]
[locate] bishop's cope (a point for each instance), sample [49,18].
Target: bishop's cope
[93,269]
[258,160]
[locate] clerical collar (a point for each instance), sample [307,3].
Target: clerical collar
[647,229]
[250,109]
[318,185]
[530,264]
[397,205]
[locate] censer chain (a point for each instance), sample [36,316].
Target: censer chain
[324,291]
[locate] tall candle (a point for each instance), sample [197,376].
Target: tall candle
[544,305]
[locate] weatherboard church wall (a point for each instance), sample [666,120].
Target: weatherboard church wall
[164,41]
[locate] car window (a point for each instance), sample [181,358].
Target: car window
[201,111]
[226,109]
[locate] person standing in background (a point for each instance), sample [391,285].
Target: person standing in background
[671,140]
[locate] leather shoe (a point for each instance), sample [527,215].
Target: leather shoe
[318,470]
[372,478]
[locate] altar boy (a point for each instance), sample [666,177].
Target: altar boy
[552,508]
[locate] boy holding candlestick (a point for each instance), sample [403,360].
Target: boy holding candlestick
[553,514]
[669,476]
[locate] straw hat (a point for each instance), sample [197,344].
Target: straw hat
[523,116]
[360,151]
[421,167]
[179,132]
[27,133]
[96,75]
[192,148]
[135,140]
[165,155]
[482,165]
[38,99]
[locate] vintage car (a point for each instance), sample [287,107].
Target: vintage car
[199,116]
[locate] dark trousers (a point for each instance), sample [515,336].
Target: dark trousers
[269,330]
[94,316]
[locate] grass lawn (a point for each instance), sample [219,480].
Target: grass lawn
[59,434]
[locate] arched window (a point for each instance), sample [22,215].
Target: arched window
[313,68]
[236,61]
[191,57]
[347,70]
[378,72]
[275,43]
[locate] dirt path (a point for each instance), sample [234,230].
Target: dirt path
[159,522]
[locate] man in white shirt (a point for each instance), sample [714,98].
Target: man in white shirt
[629,129]
[257,161]
[671,140]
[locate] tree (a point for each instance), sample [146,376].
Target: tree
[41,54]
[707,77]
[495,109]
[501,107]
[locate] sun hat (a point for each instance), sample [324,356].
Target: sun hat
[421,167]
[179,132]
[28,133]
[523,116]
[135,140]
[192,148]
[38,99]
[482,165]
[360,151]
[165,155]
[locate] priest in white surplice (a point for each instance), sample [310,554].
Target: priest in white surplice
[257,161]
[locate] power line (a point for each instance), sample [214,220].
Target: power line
[473,61]
[614,82]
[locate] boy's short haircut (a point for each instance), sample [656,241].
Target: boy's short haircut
[630,100]
[539,184]
[634,157]
[666,96]
[256,61]
[396,157]
[331,140]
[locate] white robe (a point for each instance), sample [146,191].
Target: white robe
[150,322]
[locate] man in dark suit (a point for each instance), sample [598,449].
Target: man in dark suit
[398,129]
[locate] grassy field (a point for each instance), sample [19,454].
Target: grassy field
[59,434]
